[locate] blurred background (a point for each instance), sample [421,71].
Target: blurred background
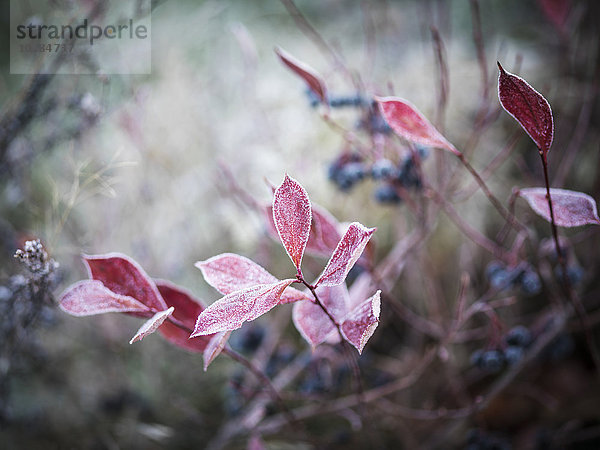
[166,168]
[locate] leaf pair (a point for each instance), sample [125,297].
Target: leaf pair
[250,291]
[118,284]
[533,112]
[356,321]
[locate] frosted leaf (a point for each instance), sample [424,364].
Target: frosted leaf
[231,311]
[292,218]
[528,107]
[307,73]
[89,297]
[408,122]
[360,323]
[347,252]
[229,272]
[313,323]
[187,310]
[571,208]
[324,232]
[124,276]
[152,324]
[215,346]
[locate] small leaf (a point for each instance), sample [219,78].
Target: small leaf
[307,73]
[89,297]
[571,208]
[360,324]
[313,323]
[215,346]
[230,312]
[324,232]
[292,217]
[347,252]
[528,107]
[124,276]
[152,324]
[408,122]
[187,310]
[229,272]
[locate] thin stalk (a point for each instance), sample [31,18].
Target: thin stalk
[579,309]
[259,374]
[510,218]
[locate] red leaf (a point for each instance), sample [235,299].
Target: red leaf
[124,276]
[152,324]
[292,217]
[571,209]
[187,310]
[313,323]
[528,107]
[215,347]
[229,272]
[307,73]
[345,255]
[324,232]
[406,121]
[360,324]
[89,297]
[230,312]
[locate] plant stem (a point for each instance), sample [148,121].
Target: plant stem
[263,378]
[259,374]
[510,218]
[579,309]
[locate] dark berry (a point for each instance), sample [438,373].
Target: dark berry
[492,268]
[513,354]
[313,98]
[383,168]
[530,282]
[518,336]
[492,361]
[476,357]
[350,100]
[575,274]
[501,279]
[386,193]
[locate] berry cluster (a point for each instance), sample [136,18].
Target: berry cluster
[516,341]
[522,276]
[350,168]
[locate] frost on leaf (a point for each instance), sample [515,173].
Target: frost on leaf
[187,310]
[292,217]
[571,209]
[528,107]
[152,324]
[307,73]
[407,121]
[231,311]
[124,276]
[324,232]
[89,297]
[360,323]
[313,323]
[347,252]
[229,272]
[215,347]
